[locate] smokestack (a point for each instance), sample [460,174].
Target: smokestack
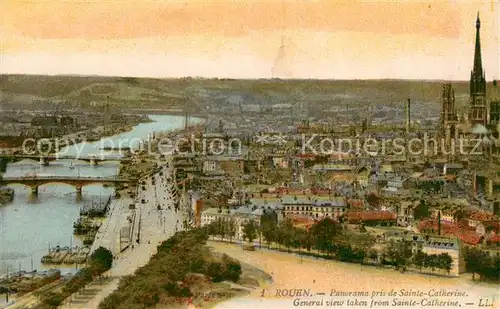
[474,184]
[186,121]
[408,119]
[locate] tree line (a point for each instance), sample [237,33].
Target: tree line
[328,239]
[401,255]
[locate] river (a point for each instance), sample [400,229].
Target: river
[29,224]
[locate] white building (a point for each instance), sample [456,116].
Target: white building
[332,207]
[213,214]
[240,215]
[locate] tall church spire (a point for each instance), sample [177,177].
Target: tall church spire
[477,103]
[478,67]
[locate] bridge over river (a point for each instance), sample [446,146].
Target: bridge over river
[35,181]
[45,159]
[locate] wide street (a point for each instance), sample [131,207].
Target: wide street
[108,235]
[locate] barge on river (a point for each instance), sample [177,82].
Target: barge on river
[66,255]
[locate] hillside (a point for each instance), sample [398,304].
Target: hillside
[168,93]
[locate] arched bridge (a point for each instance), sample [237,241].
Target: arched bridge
[78,182]
[45,159]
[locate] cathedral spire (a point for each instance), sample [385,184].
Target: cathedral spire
[478,67]
[477,104]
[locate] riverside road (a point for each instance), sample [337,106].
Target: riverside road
[157,220]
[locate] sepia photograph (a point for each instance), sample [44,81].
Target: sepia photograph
[226,154]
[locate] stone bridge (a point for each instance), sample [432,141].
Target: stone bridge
[45,159]
[78,182]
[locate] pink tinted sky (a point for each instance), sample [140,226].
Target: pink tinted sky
[323,39]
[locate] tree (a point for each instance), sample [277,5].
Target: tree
[444,262]
[300,238]
[373,255]
[112,301]
[323,233]
[474,261]
[419,259]
[101,260]
[429,261]
[211,229]
[399,252]
[53,299]
[232,268]
[360,241]
[249,231]
[421,211]
[269,229]
[287,233]
[5,290]
[231,228]
[221,227]
[373,200]
[308,240]
[280,237]
[3,166]
[215,271]
[490,268]
[309,163]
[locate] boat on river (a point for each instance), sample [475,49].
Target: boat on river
[56,256]
[66,255]
[93,139]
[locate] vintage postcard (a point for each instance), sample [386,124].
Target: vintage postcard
[176,154]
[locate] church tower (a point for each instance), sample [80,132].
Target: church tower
[449,117]
[477,105]
[448,111]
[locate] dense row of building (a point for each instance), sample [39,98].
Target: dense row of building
[439,202]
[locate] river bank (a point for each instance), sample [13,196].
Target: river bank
[56,207]
[13,144]
[57,204]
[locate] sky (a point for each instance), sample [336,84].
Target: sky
[351,39]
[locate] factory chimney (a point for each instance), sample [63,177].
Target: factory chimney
[186,121]
[408,119]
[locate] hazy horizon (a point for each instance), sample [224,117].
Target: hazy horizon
[334,40]
[243,79]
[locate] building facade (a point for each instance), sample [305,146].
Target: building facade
[314,207]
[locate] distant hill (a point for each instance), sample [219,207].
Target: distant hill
[128,91]
[88,90]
